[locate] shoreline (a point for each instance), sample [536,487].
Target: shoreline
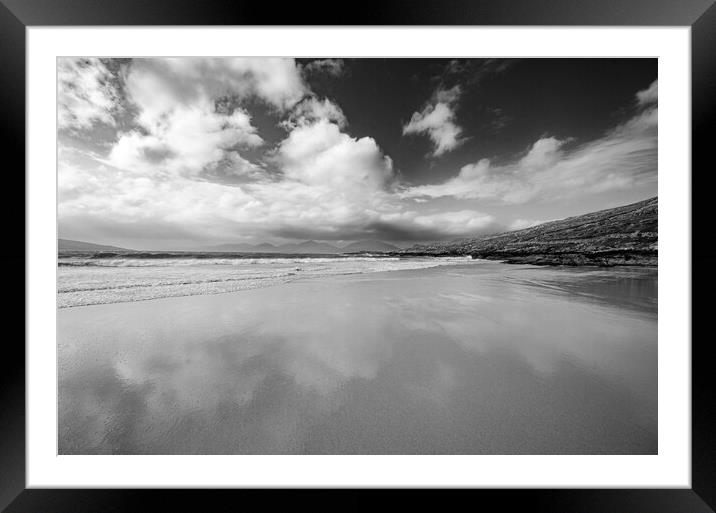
[217,286]
[597,259]
[324,278]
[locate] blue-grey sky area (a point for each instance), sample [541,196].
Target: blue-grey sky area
[184,153]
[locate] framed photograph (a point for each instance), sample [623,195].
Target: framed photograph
[423,247]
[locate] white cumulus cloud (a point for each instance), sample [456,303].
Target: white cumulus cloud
[158,86]
[86,93]
[320,154]
[184,130]
[311,109]
[624,157]
[186,140]
[649,95]
[437,121]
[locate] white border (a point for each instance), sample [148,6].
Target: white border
[671,468]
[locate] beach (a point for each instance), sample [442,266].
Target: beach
[112,278]
[467,358]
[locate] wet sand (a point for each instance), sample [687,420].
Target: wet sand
[475,359]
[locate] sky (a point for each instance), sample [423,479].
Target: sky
[184,153]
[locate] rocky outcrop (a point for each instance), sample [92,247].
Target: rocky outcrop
[626,235]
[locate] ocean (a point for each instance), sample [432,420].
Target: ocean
[97,278]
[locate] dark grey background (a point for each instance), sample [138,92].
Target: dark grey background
[15,15]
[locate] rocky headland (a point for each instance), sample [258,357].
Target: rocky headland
[626,235]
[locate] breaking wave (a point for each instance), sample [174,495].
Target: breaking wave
[85,280]
[174,261]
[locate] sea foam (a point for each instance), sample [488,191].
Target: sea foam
[87,280]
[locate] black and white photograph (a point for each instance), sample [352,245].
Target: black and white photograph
[323,256]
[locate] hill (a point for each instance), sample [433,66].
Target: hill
[368,246]
[242,248]
[626,235]
[307,248]
[77,245]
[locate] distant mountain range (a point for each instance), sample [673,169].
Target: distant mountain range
[77,245]
[626,235]
[368,246]
[308,247]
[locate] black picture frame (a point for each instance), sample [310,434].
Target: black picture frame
[17,15]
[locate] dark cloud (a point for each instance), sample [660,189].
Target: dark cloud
[332,67]
[382,230]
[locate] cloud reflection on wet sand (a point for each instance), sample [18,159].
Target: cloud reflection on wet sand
[475,360]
